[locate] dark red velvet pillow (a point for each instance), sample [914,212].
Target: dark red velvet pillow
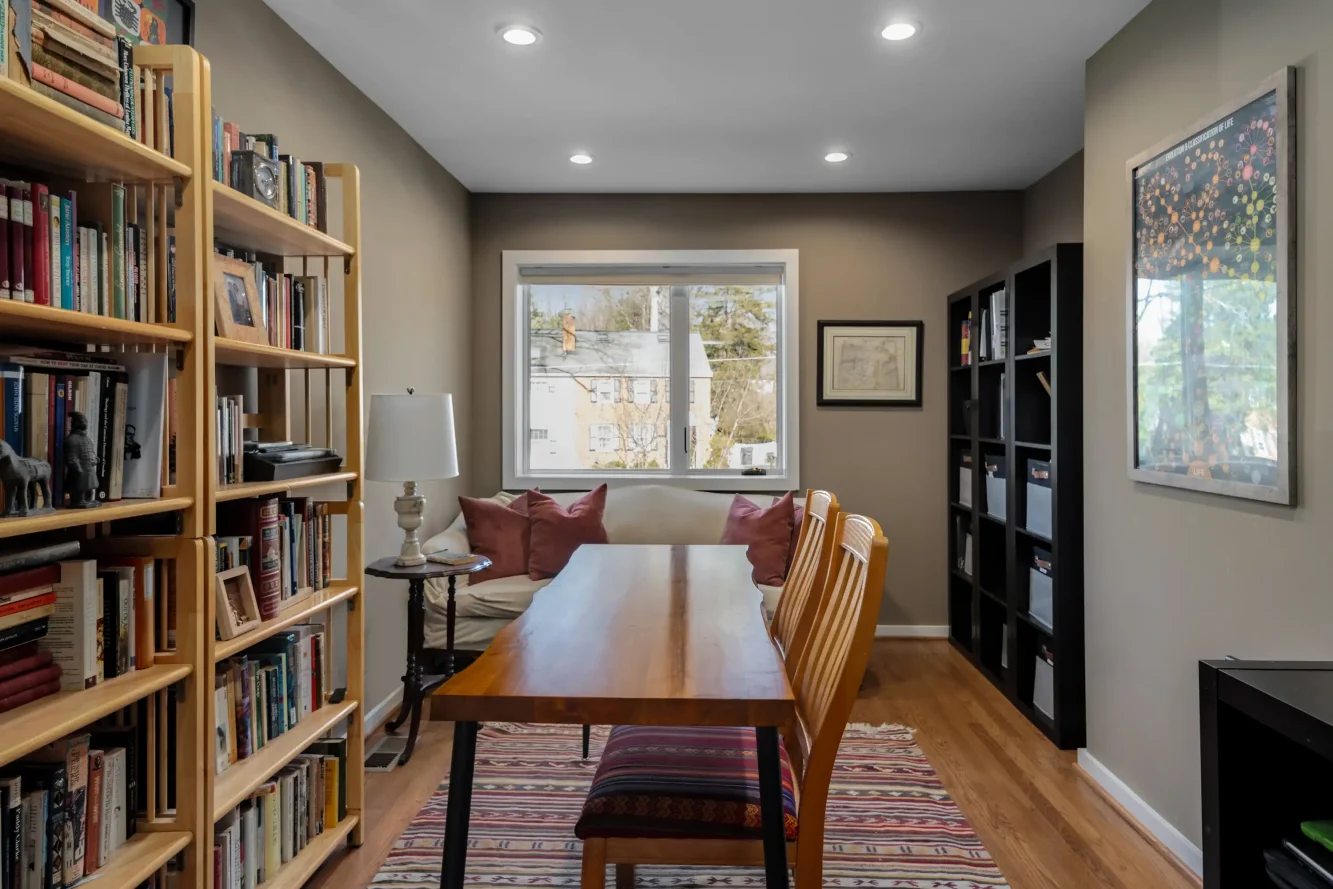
[498,532]
[557,532]
[766,531]
[797,521]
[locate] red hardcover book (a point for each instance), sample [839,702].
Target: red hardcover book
[258,520]
[41,246]
[45,75]
[33,678]
[17,653]
[20,581]
[15,196]
[32,694]
[27,242]
[34,661]
[4,243]
[26,604]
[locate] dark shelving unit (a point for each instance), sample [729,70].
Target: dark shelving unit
[989,621]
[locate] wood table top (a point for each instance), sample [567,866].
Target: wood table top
[643,635]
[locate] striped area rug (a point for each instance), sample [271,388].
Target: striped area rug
[890,821]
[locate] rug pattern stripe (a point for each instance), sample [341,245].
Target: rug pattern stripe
[890,824]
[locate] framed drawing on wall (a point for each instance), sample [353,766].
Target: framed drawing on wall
[1212,309]
[870,363]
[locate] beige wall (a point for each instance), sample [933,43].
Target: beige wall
[1053,207]
[415,270]
[1173,577]
[889,257]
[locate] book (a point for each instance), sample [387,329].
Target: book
[143,574]
[258,519]
[36,557]
[1045,383]
[76,90]
[11,830]
[23,634]
[71,753]
[5,292]
[37,660]
[34,813]
[41,236]
[116,816]
[50,777]
[117,618]
[93,855]
[72,633]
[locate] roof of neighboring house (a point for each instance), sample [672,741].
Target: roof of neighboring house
[618,353]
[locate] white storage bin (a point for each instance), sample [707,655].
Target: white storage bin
[997,487]
[1041,588]
[1043,684]
[1038,519]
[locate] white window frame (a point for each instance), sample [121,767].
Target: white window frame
[515,363]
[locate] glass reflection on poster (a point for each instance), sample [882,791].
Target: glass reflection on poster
[1212,354]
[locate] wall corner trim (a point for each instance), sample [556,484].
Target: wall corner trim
[912,631]
[1142,816]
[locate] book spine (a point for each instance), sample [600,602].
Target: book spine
[34,849]
[16,229]
[106,44]
[28,242]
[125,56]
[54,58]
[76,809]
[58,465]
[53,249]
[118,251]
[41,245]
[43,74]
[104,408]
[4,224]
[72,629]
[93,841]
[67,275]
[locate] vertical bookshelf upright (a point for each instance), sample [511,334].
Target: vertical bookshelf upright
[1000,414]
[41,138]
[288,383]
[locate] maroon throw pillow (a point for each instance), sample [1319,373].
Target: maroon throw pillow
[557,532]
[795,533]
[500,533]
[766,531]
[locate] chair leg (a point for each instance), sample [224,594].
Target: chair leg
[587,739]
[594,863]
[624,876]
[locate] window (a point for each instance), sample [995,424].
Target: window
[595,342]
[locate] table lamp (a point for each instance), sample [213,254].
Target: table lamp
[411,439]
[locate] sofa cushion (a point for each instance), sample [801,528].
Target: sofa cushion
[766,532]
[798,519]
[499,532]
[504,597]
[681,782]
[557,532]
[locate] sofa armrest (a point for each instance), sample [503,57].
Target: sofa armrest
[454,541]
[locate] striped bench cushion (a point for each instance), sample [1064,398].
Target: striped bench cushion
[690,783]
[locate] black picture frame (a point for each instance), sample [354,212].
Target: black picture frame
[826,393]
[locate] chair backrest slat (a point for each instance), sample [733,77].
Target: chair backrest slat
[795,612]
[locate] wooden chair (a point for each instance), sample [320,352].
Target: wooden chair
[794,615]
[643,807]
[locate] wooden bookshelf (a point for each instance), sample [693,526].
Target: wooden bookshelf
[78,328]
[242,222]
[989,621]
[141,856]
[17,526]
[242,490]
[301,612]
[234,353]
[302,867]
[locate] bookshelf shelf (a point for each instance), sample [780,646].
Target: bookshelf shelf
[40,132]
[66,326]
[1031,356]
[141,856]
[259,489]
[26,728]
[241,779]
[243,222]
[309,607]
[294,873]
[73,518]
[234,353]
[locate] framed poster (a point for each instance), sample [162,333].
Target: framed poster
[1212,310]
[870,363]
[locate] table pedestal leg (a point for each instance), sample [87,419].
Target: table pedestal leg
[771,808]
[412,692]
[587,739]
[458,810]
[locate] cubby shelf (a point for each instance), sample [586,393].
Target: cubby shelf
[242,490]
[241,221]
[141,856]
[303,865]
[58,325]
[235,353]
[300,612]
[15,526]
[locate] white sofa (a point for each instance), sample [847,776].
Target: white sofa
[634,514]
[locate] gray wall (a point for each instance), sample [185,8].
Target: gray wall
[1053,207]
[1173,577]
[885,257]
[415,256]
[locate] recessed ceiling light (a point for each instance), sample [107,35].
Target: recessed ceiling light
[836,157]
[899,31]
[520,35]
[580,159]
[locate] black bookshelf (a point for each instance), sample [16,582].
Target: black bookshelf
[1000,409]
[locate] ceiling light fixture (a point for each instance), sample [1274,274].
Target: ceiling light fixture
[520,35]
[836,157]
[581,159]
[900,31]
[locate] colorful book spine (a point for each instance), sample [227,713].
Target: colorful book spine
[118,264]
[67,265]
[43,74]
[41,245]
[4,221]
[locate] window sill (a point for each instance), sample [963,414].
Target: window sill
[721,481]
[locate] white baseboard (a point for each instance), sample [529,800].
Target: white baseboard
[1175,841]
[911,631]
[379,714]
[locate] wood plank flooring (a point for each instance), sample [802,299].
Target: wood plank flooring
[1040,818]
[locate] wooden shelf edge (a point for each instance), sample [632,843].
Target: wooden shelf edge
[268,228]
[259,489]
[294,873]
[314,604]
[141,856]
[241,779]
[26,728]
[81,327]
[74,518]
[235,353]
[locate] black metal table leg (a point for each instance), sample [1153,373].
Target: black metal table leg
[458,809]
[449,631]
[770,804]
[587,739]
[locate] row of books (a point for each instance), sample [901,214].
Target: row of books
[302,188]
[294,540]
[65,809]
[85,247]
[252,842]
[70,54]
[230,440]
[994,344]
[294,308]
[127,399]
[266,692]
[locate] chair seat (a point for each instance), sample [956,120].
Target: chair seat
[686,782]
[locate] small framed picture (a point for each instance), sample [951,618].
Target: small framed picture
[870,363]
[236,301]
[237,608]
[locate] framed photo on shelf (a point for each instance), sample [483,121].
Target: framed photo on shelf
[236,301]
[1212,312]
[870,363]
[237,608]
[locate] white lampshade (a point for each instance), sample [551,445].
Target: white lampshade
[411,438]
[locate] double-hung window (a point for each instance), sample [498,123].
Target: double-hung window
[595,343]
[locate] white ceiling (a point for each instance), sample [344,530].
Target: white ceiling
[725,95]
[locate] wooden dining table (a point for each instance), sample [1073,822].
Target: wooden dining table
[630,635]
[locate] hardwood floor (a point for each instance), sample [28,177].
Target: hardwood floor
[1044,823]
